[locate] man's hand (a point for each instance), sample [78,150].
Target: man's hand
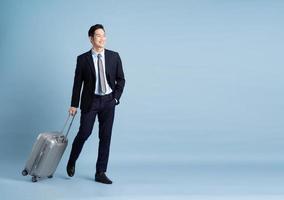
[72,111]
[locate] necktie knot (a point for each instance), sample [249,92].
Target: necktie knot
[99,55]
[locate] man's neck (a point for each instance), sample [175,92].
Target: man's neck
[98,50]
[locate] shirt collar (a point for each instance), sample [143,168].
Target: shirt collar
[94,53]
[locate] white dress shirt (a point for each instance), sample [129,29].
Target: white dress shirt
[95,59]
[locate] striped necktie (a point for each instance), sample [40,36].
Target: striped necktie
[102,84]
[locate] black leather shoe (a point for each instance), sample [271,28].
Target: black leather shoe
[70,169]
[102,178]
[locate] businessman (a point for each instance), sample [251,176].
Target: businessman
[100,75]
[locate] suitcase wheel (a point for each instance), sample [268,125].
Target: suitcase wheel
[24,172]
[34,179]
[50,176]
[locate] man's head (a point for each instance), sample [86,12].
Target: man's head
[97,36]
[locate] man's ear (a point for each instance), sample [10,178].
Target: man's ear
[91,39]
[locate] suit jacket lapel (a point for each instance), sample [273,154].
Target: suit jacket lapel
[91,62]
[107,59]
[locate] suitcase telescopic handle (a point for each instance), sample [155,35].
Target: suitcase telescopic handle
[69,124]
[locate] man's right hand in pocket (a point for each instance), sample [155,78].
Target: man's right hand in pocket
[72,111]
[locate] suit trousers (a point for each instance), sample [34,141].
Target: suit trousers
[104,108]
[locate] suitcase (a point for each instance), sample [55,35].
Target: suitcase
[46,153]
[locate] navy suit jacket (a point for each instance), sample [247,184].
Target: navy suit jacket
[85,76]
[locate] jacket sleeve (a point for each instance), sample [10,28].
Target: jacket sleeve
[77,85]
[119,79]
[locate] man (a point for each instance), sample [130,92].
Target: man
[100,73]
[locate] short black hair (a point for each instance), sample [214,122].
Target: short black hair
[93,28]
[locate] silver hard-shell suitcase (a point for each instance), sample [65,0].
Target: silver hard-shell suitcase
[46,153]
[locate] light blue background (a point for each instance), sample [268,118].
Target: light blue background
[202,111]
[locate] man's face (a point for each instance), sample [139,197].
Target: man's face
[98,40]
